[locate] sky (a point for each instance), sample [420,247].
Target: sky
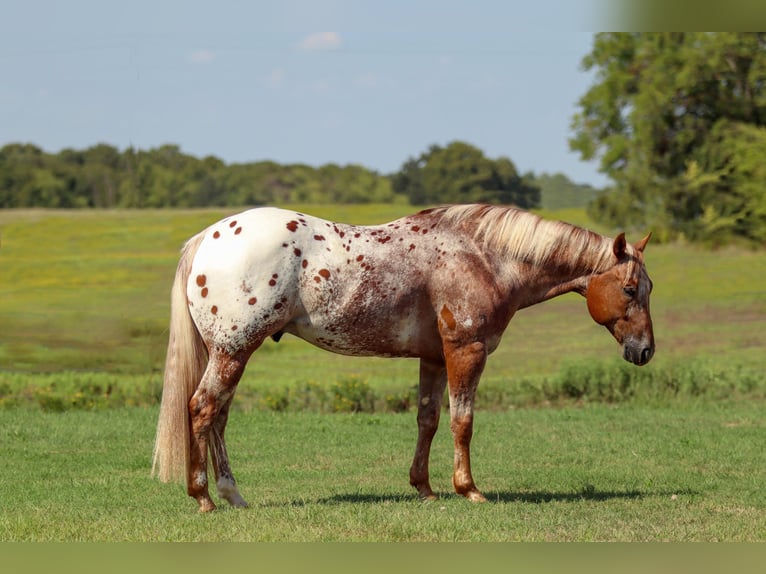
[299,81]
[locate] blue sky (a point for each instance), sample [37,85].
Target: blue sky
[299,81]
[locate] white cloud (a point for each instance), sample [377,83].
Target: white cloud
[319,41]
[201,57]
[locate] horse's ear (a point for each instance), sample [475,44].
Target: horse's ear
[619,246]
[641,244]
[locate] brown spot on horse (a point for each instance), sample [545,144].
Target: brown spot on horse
[448,318]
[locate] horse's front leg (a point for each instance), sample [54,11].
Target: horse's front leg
[464,367]
[433,379]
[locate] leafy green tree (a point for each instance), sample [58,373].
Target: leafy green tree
[353,184]
[663,112]
[408,181]
[728,197]
[460,173]
[100,165]
[557,191]
[18,163]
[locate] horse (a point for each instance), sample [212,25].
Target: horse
[440,285]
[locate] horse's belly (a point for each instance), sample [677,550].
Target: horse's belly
[400,338]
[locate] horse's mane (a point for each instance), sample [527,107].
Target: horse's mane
[524,236]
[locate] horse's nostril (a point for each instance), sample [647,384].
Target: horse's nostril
[646,354]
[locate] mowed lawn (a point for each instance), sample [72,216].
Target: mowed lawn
[617,473]
[88,291]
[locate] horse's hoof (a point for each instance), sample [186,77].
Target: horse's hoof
[424,492]
[475,496]
[239,503]
[206,505]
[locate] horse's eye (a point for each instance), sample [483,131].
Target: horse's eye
[629,290]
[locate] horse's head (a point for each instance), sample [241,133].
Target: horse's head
[618,299]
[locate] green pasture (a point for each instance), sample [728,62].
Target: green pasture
[570,443]
[593,473]
[89,291]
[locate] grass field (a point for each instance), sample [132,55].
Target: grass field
[595,473]
[89,290]
[671,451]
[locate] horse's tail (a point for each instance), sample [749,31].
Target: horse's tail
[184,366]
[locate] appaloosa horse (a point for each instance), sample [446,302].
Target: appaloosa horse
[440,285]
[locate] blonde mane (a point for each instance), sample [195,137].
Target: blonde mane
[524,236]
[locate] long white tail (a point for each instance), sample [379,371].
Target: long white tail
[184,366]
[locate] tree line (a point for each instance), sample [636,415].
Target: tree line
[103,176]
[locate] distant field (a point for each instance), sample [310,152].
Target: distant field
[88,290]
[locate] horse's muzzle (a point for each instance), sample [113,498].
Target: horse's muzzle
[638,354]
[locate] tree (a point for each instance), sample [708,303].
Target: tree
[460,173]
[663,111]
[557,191]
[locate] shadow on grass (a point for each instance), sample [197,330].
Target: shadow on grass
[588,493]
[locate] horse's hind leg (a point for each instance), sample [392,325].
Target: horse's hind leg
[212,395]
[433,379]
[224,479]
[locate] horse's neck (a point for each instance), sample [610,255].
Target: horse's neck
[559,274]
